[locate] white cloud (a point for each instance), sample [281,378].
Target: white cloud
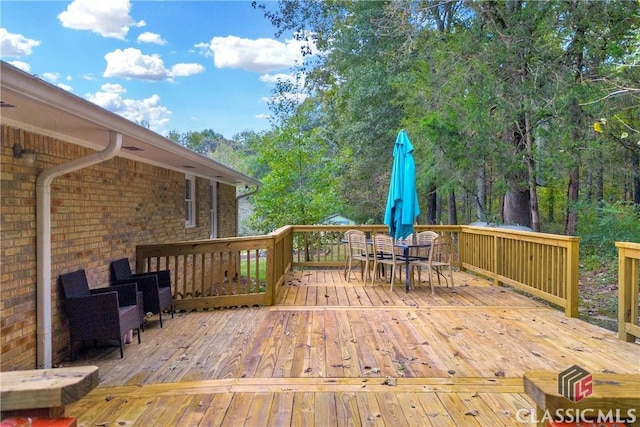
[111,97]
[274,78]
[112,88]
[52,77]
[181,70]
[151,38]
[65,87]
[131,63]
[21,66]
[202,48]
[107,18]
[259,55]
[15,45]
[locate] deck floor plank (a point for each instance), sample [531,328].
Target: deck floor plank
[391,410]
[216,410]
[268,360]
[321,354]
[347,409]
[318,344]
[300,362]
[325,409]
[238,410]
[194,411]
[368,409]
[281,410]
[260,409]
[510,408]
[303,409]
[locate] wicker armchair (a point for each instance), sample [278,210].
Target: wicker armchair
[104,314]
[155,286]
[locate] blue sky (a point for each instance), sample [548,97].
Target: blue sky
[178,65]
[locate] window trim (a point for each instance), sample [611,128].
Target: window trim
[190,203]
[213,212]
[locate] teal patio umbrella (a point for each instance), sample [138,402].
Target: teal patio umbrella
[402,201]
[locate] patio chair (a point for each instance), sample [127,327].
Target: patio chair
[422,253]
[386,254]
[103,314]
[358,251]
[440,257]
[155,286]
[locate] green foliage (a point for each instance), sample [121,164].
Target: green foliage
[601,227]
[300,183]
[496,97]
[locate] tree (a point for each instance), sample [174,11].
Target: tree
[496,95]
[300,185]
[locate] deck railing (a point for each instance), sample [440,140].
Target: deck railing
[628,280]
[215,273]
[248,270]
[543,265]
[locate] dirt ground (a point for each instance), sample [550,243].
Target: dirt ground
[598,292]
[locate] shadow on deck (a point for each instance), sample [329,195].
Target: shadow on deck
[334,353]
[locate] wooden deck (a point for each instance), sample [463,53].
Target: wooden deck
[333,353]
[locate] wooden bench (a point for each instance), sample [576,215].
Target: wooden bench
[41,394]
[614,394]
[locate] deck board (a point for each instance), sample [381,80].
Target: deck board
[321,354]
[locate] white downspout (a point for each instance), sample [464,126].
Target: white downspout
[43,228]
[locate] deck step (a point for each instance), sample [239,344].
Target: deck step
[254,385]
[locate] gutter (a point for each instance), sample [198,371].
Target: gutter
[43,231]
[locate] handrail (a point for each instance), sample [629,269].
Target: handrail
[249,270]
[544,265]
[628,272]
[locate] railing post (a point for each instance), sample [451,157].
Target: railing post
[628,264]
[573,263]
[269,292]
[497,259]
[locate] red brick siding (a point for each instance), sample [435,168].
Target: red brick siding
[98,214]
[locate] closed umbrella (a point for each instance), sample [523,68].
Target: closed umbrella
[402,202]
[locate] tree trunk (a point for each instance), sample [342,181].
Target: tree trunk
[451,208]
[517,208]
[600,181]
[573,189]
[634,159]
[481,194]
[431,205]
[571,224]
[531,169]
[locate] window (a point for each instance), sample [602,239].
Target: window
[190,201]
[213,199]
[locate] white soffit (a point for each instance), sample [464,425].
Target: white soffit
[34,105]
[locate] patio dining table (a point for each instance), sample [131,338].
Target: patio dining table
[408,257]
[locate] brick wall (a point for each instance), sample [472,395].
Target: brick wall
[227,211]
[98,214]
